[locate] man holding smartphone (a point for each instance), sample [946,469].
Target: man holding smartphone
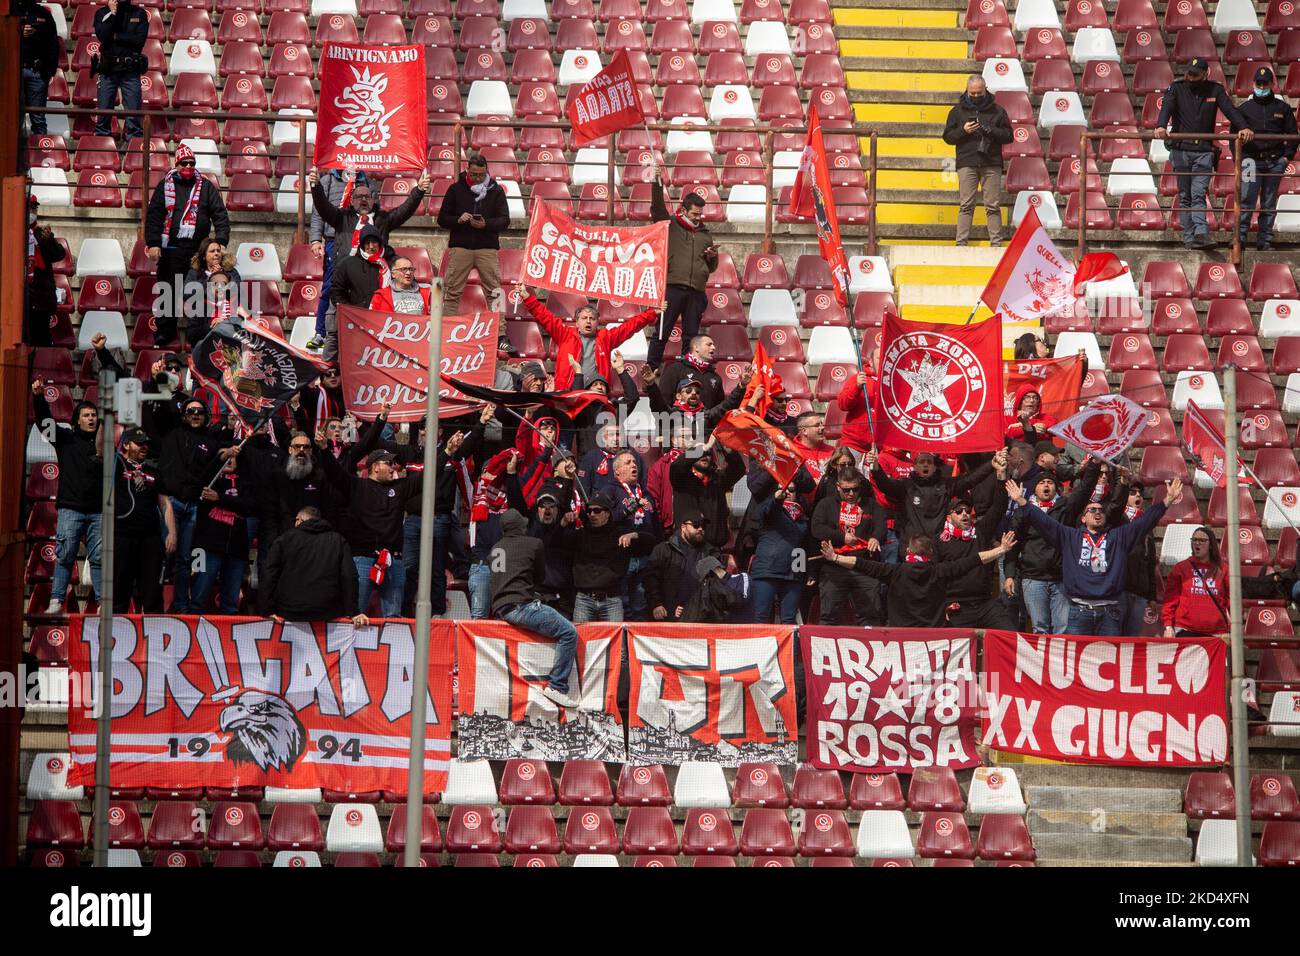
[692,257]
[475,213]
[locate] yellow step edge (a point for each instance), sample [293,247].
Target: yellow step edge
[941,275]
[912,146]
[900,113]
[906,81]
[917,49]
[915,179]
[926,19]
[946,314]
[929,214]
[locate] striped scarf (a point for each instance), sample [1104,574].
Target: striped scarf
[189,215]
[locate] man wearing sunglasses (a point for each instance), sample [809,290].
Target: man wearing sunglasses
[184,209]
[403,295]
[852,522]
[1094,559]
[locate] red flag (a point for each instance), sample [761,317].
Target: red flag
[747,434]
[1204,443]
[812,196]
[1095,267]
[607,103]
[372,108]
[940,385]
[764,375]
[1058,382]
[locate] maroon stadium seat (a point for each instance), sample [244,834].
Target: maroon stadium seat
[994,42]
[1160,464]
[1130,351]
[1151,76]
[1185,15]
[708,832]
[1273,797]
[125,829]
[526,860]
[52,858]
[1229,317]
[590,830]
[395,836]
[472,829]
[764,271]
[1160,430]
[1132,14]
[985,13]
[944,835]
[817,789]
[434,30]
[1264,428]
[1185,352]
[1278,668]
[1027,173]
[822,69]
[643,786]
[236,859]
[1140,211]
[1276,466]
[294,826]
[531,829]
[1171,315]
[1271,280]
[1043,43]
[767,832]
[1279,845]
[649,830]
[875,791]
[724,308]
[363,860]
[1099,76]
[1286,355]
[1208,795]
[577,35]
[1004,836]
[655,860]
[1098,212]
[173,826]
[1165,278]
[952,862]
[526,781]
[724,276]
[586,783]
[934,788]
[178,859]
[235,826]
[892,862]
[1216,280]
[826,833]
[1084,13]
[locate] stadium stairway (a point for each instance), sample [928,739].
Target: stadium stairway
[940,283]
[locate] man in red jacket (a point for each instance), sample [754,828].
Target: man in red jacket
[403,295]
[581,340]
[858,430]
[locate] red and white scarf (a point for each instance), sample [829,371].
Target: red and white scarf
[377,257]
[189,215]
[1045,505]
[1133,512]
[951,531]
[849,522]
[704,365]
[378,570]
[916,558]
[685,223]
[634,493]
[327,406]
[792,507]
[362,222]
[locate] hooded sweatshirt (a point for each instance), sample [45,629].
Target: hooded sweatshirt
[1196,598]
[516,562]
[355,280]
[1093,565]
[984,146]
[310,575]
[1016,428]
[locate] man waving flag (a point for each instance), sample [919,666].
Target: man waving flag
[812,196]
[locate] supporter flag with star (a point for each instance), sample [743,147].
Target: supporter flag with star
[812,196]
[940,386]
[766,445]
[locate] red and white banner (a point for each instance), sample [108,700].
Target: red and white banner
[1135,701]
[890,698]
[372,108]
[764,377]
[1058,382]
[384,358]
[607,103]
[1033,280]
[248,702]
[765,445]
[1106,428]
[940,384]
[1205,445]
[813,196]
[503,713]
[721,694]
[606,261]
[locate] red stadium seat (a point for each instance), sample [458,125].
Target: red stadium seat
[1173,314]
[869,309]
[1159,430]
[1067,177]
[1160,464]
[236,859]
[354,859]
[1151,76]
[1271,280]
[572,10]
[1112,109]
[760,785]
[586,782]
[125,829]
[287,28]
[1286,355]
[944,835]
[780,343]
[1278,668]
[1097,215]
[1185,15]
[1140,211]
[1273,797]
[1143,44]
[994,42]
[235,826]
[472,829]
[1134,14]
[1131,351]
[1043,44]
[1276,466]
[529,860]
[649,830]
[1243,46]
[335,28]
[725,275]
[530,33]
[430,835]
[1279,845]
[1164,278]
[175,824]
[875,791]
[1209,795]
[526,781]
[294,826]
[590,830]
[1218,281]
[643,786]
[575,35]
[1084,13]
[1099,76]
[985,13]
[178,859]
[822,70]
[1063,144]
[1027,173]
[764,271]
[817,789]
[531,829]
[1004,836]
[708,832]
[52,858]
[825,833]
[190,24]
[934,789]
[1243,351]
[1145,388]
[384,28]
[434,30]
[1195,43]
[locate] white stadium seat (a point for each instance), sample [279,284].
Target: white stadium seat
[470,781]
[192,56]
[514,199]
[1177,544]
[524,9]
[124,858]
[578,67]
[1282,508]
[1061,109]
[1291,394]
[636,348]
[1233,15]
[869,274]
[293,795]
[1279,317]
[60,21]
[883,834]
[297,859]
[1044,203]
[740,498]
[829,343]
[1199,387]
[322,8]
[1094,43]
[206,157]
[1288,211]
[50,185]
[112,324]
[701,784]
[48,778]
[258,260]
[354,828]
[39,451]
[285,130]
[591,165]
[785,167]
[101,257]
[747,204]
[1130,175]
[489,98]
[1216,844]
[1122,287]
[772,307]
[683,139]
[1004,75]
[708,11]
[996,790]
[731,101]
[1158,155]
[595,859]
[286,197]
[766,37]
[1067,343]
[1284,714]
[1033,14]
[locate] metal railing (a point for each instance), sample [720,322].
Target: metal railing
[621,169]
[1231,208]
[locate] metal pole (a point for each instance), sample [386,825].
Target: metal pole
[302,180]
[146,171]
[1236,199]
[104,727]
[423,608]
[871,197]
[1240,741]
[769,246]
[1083,195]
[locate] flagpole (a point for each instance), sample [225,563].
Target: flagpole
[1237,702]
[238,448]
[857,351]
[553,447]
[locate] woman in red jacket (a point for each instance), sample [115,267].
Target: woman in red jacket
[1196,591]
[1028,423]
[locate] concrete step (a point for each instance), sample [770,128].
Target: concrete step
[1119,823]
[925,32]
[928,98]
[1124,863]
[1107,849]
[940,256]
[896,17]
[1148,800]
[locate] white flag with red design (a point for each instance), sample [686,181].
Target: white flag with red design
[1033,280]
[1204,443]
[1105,428]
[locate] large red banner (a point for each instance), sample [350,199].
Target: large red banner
[890,699]
[721,694]
[372,108]
[384,358]
[607,103]
[813,195]
[250,702]
[503,713]
[1134,701]
[940,385]
[1058,382]
[604,261]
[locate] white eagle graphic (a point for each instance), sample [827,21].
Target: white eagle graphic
[365,124]
[265,731]
[929,381]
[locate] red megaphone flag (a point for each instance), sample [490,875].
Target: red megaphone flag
[607,103]
[940,386]
[812,197]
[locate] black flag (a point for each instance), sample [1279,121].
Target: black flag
[252,369]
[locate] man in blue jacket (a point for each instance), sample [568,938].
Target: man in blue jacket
[1094,559]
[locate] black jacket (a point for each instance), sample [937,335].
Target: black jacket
[188,458]
[291,495]
[826,520]
[81,469]
[354,281]
[1191,107]
[923,502]
[211,214]
[1272,114]
[516,562]
[42,300]
[979,584]
[599,564]
[310,575]
[122,37]
[691,493]
[984,146]
[492,207]
[40,51]
[711,389]
[557,564]
[376,510]
[669,576]
[917,590]
[1034,558]
[222,525]
[344,223]
[713,602]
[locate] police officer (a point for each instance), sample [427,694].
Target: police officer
[1263,162]
[40,55]
[1189,107]
[122,29]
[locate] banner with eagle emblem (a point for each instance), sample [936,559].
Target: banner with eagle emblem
[372,108]
[253,370]
[251,702]
[766,445]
